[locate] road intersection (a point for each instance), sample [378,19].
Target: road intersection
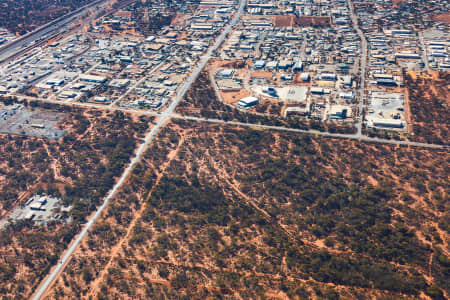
[161,119]
[160,122]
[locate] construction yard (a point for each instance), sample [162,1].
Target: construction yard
[17,119]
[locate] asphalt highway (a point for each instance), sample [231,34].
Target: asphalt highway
[363,63]
[200,119]
[312,132]
[164,117]
[44,31]
[168,113]
[424,52]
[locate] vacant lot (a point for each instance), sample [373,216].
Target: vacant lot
[80,168]
[17,119]
[221,212]
[201,101]
[291,21]
[429,100]
[444,18]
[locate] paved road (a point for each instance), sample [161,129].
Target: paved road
[66,257]
[161,121]
[424,52]
[134,86]
[219,95]
[165,116]
[199,119]
[313,132]
[44,31]
[68,86]
[205,59]
[362,68]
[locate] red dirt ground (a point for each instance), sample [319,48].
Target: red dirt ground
[291,21]
[444,18]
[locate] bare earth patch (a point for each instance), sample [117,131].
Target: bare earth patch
[216,210]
